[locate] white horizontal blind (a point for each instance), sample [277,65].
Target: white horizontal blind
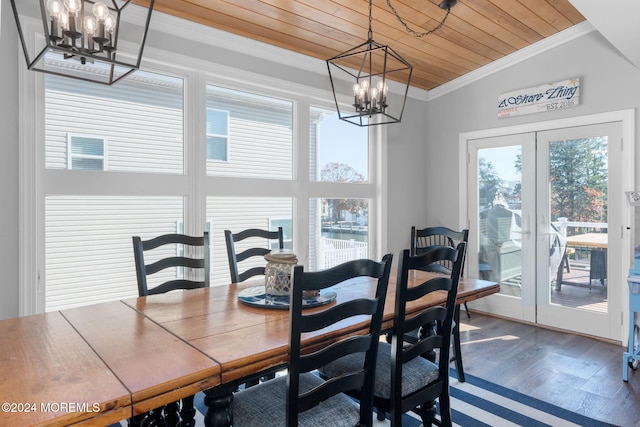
[86,152]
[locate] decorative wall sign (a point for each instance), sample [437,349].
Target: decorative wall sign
[549,97]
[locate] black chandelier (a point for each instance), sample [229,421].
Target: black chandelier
[83,39]
[374,67]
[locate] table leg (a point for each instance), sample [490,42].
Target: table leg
[560,273]
[218,401]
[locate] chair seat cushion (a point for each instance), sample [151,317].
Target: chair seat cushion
[264,405]
[416,374]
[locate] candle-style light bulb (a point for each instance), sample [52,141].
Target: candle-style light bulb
[356,93]
[73,7]
[383,89]
[100,11]
[90,29]
[90,25]
[56,9]
[64,21]
[374,98]
[109,24]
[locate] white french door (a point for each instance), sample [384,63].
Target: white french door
[547,221]
[500,221]
[579,178]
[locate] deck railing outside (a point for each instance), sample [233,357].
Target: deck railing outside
[563,224]
[337,251]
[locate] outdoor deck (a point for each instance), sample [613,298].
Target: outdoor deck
[575,290]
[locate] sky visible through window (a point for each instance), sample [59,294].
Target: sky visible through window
[344,142]
[503,161]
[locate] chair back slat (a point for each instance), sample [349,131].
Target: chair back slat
[424,239]
[190,270]
[236,256]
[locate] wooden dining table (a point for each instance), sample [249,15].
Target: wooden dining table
[589,240]
[102,363]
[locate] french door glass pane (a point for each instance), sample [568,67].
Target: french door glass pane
[259,138]
[338,231]
[339,151]
[578,176]
[140,118]
[240,213]
[500,222]
[89,255]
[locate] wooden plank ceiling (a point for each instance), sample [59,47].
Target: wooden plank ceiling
[476,32]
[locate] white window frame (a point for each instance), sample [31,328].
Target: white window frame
[36,181]
[270,226]
[71,156]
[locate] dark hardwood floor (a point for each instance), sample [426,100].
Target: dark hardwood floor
[575,372]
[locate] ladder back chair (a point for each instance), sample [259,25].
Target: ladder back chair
[181,253]
[236,257]
[302,397]
[421,241]
[406,381]
[180,262]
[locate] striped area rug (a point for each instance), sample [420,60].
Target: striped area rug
[480,403]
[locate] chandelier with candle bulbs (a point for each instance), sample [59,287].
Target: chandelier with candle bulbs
[374,67]
[95,36]
[89,32]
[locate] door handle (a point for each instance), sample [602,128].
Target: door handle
[527,229]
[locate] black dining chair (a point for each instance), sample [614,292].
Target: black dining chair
[302,397]
[424,238]
[171,262]
[246,253]
[406,381]
[421,241]
[180,262]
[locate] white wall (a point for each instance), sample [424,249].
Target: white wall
[608,82]
[8,163]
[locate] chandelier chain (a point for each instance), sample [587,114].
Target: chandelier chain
[370,21]
[406,26]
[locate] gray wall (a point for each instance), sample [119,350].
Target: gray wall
[608,83]
[407,202]
[8,163]
[407,147]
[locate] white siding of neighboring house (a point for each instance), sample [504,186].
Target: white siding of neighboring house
[260,139]
[144,131]
[89,251]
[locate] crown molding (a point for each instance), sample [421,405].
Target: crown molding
[523,54]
